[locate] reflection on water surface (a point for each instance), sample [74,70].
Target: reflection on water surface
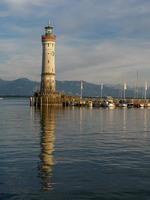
[77,153]
[48,123]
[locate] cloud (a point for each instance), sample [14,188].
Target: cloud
[20,58]
[106,61]
[23,5]
[98,40]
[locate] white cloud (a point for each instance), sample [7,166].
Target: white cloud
[22,4]
[106,61]
[20,59]
[98,40]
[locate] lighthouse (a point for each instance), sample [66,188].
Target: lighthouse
[48,94]
[48,84]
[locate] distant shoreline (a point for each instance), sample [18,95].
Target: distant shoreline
[13,96]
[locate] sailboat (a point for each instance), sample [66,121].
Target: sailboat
[123,103]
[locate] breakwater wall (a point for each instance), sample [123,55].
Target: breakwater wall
[57,99]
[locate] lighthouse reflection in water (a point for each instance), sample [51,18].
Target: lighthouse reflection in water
[48,125]
[73,153]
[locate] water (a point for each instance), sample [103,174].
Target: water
[73,154]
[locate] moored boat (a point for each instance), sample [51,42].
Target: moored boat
[123,105]
[141,105]
[111,105]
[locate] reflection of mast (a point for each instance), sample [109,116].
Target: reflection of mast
[124,119]
[81,117]
[145,122]
[47,146]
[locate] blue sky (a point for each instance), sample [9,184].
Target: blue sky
[97,40]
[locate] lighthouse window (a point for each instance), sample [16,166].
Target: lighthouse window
[48,61]
[48,45]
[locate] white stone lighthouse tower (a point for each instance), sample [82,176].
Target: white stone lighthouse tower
[48,84]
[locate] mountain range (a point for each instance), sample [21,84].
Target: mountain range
[25,87]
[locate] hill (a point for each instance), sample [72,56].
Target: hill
[18,87]
[26,87]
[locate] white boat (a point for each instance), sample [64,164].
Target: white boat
[111,105]
[141,105]
[90,104]
[123,105]
[108,104]
[148,104]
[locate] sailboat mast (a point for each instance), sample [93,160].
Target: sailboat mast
[81,89]
[101,90]
[124,90]
[136,89]
[145,94]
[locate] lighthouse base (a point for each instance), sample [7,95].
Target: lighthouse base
[51,99]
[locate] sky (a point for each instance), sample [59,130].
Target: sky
[99,41]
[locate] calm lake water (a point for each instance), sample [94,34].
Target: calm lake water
[73,153]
